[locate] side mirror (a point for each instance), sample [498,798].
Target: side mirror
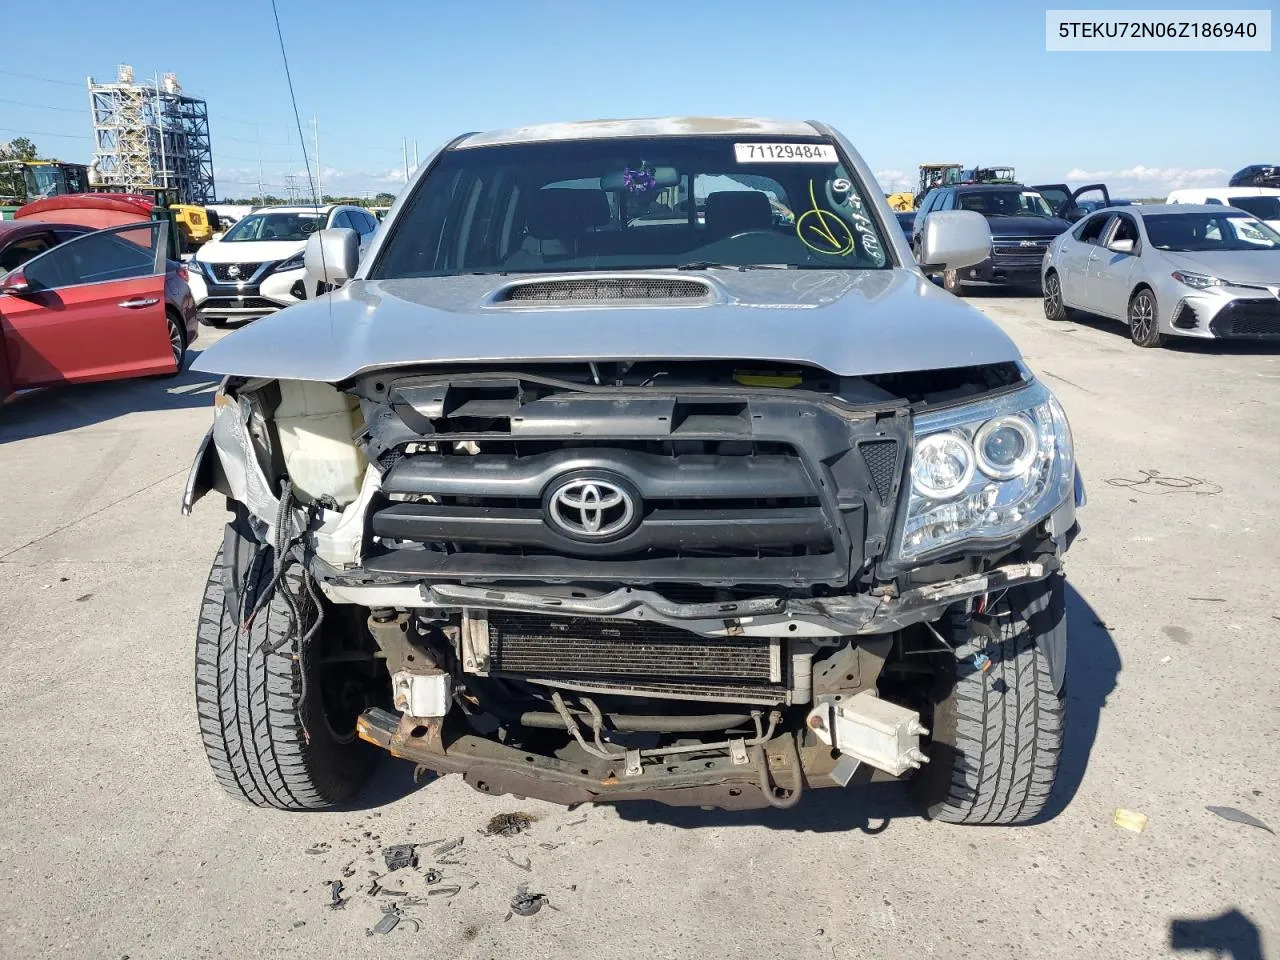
[951,239]
[332,256]
[1120,246]
[15,284]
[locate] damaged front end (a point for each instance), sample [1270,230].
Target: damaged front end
[701,583]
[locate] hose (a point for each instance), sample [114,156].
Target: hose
[797,787]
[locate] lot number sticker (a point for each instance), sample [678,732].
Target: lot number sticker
[785,153]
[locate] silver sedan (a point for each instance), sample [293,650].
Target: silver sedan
[1182,270]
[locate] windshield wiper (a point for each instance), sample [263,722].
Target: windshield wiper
[712,265]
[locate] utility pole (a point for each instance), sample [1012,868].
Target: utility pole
[404,149]
[415,154]
[315,124]
[257,138]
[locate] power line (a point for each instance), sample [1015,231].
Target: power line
[297,117]
[250,123]
[28,76]
[44,133]
[42,106]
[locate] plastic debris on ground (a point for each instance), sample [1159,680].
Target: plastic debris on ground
[526,904]
[336,900]
[509,824]
[527,866]
[399,856]
[1239,816]
[1130,820]
[388,922]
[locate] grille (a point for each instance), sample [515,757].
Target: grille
[686,505]
[222,271]
[881,457]
[626,288]
[625,656]
[240,303]
[1258,319]
[1014,250]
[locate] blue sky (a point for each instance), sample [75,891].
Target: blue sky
[907,82]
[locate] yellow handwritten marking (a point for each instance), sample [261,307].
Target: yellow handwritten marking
[836,246]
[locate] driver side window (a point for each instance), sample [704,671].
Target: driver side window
[1091,230]
[1125,229]
[120,253]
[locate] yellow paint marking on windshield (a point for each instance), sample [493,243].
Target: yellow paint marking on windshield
[821,223]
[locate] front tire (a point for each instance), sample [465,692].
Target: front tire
[260,702]
[951,282]
[997,735]
[1054,308]
[177,333]
[1144,319]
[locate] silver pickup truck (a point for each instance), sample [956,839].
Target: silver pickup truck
[638,459]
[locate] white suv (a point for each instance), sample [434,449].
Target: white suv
[256,267]
[1262,202]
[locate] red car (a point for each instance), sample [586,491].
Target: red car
[103,306]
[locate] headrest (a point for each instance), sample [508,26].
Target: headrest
[733,211]
[558,213]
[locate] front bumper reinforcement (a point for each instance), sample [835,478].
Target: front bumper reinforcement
[713,777]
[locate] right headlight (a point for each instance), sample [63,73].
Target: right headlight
[1197,281]
[986,471]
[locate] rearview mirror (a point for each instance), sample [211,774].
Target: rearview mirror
[332,256]
[14,284]
[1120,246]
[951,239]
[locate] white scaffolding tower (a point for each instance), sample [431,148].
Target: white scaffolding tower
[149,136]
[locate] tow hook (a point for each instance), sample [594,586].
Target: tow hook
[867,729]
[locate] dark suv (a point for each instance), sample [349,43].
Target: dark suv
[1022,224]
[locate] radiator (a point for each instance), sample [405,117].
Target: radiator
[635,658]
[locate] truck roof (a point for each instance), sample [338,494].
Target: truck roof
[651,127]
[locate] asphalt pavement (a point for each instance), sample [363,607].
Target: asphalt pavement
[115,841]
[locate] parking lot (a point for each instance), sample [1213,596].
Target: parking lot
[118,843]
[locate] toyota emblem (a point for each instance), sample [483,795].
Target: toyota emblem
[592,508]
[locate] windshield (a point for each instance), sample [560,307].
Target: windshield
[1264,208]
[1006,203]
[275,226]
[42,181]
[696,202]
[1192,232]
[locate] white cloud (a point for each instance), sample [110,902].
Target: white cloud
[242,181]
[1142,181]
[892,180]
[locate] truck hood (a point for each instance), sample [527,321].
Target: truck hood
[248,251]
[1027,226]
[848,322]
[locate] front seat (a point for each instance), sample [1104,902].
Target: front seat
[729,212]
[556,220]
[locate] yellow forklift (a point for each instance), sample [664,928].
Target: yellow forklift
[22,181]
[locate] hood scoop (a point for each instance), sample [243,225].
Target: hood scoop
[596,289]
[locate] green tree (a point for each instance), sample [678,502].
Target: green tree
[20,148]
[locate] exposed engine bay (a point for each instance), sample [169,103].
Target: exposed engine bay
[692,582]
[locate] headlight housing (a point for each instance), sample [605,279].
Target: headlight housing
[986,471]
[296,262]
[1197,281]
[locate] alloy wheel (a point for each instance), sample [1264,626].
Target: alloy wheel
[177,342]
[1053,297]
[1144,320]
